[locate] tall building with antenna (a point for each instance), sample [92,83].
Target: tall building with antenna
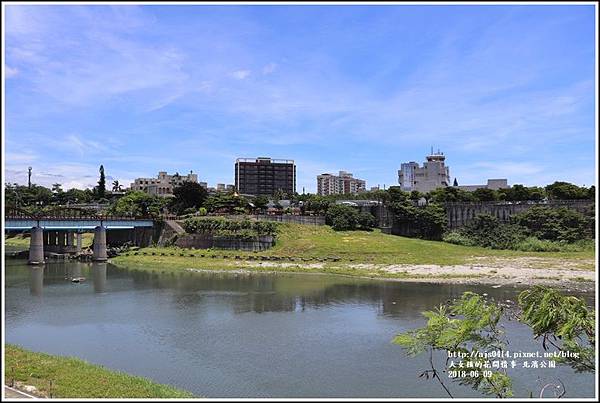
[432,175]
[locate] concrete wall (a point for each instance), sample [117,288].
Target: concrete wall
[289,218]
[205,241]
[140,236]
[460,214]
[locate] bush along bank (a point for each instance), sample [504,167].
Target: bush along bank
[222,233]
[539,229]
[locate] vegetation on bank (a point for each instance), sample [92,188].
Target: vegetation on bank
[539,229]
[242,229]
[337,252]
[67,377]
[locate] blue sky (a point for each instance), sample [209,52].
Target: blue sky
[503,91]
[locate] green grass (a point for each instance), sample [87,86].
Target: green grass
[318,244]
[376,247]
[23,241]
[72,377]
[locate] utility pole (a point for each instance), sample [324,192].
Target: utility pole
[29,178]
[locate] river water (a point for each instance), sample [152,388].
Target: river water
[248,335]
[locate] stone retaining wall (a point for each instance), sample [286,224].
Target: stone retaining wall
[206,241]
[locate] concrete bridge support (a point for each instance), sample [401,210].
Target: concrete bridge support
[61,241]
[36,246]
[100,254]
[78,242]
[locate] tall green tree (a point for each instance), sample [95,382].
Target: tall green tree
[566,191]
[102,184]
[188,195]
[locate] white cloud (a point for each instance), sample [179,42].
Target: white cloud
[240,74]
[10,72]
[269,68]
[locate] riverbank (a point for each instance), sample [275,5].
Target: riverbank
[319,249]
[22,241]
[45,375]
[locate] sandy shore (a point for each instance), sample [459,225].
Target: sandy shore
[491,271]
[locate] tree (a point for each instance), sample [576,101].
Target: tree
[514,193]
[566,191]
[56,188]
[102,184]
[342,217]
[487,231]
[224,201]
[470,326]
[476,332]
[555,224]
[117,187]
[450,194]
[261,202]
[137,204]
[366,221]
[75,195]
[188,195]
[484,194]
[455,182]
[563,322]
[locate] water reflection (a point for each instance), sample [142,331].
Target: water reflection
[261,293]
[99,276]
[36,280]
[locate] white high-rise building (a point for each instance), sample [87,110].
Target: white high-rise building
[434,174]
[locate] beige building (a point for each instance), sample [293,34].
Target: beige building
[344,183]
[164,184]
[493,184]
[434,174]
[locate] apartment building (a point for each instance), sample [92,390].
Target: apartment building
[265,176]
[343,183]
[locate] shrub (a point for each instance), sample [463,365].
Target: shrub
[342,217]
[221,225]
[457,238]
[487,231]
[366,221]
[428,222]
[555,224]
[533,244]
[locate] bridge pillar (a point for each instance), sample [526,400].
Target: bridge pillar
[46,238]
[52,238]
[79,242]
[70,238]
[36,246]
[100,254]
[61,239]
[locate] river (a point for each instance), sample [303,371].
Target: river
[247,335]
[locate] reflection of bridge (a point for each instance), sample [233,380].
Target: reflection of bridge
[55,230]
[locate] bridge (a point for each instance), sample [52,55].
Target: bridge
[55,230]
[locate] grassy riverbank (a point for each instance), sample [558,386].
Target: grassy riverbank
[319,249]
[23,241]
[70,377]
